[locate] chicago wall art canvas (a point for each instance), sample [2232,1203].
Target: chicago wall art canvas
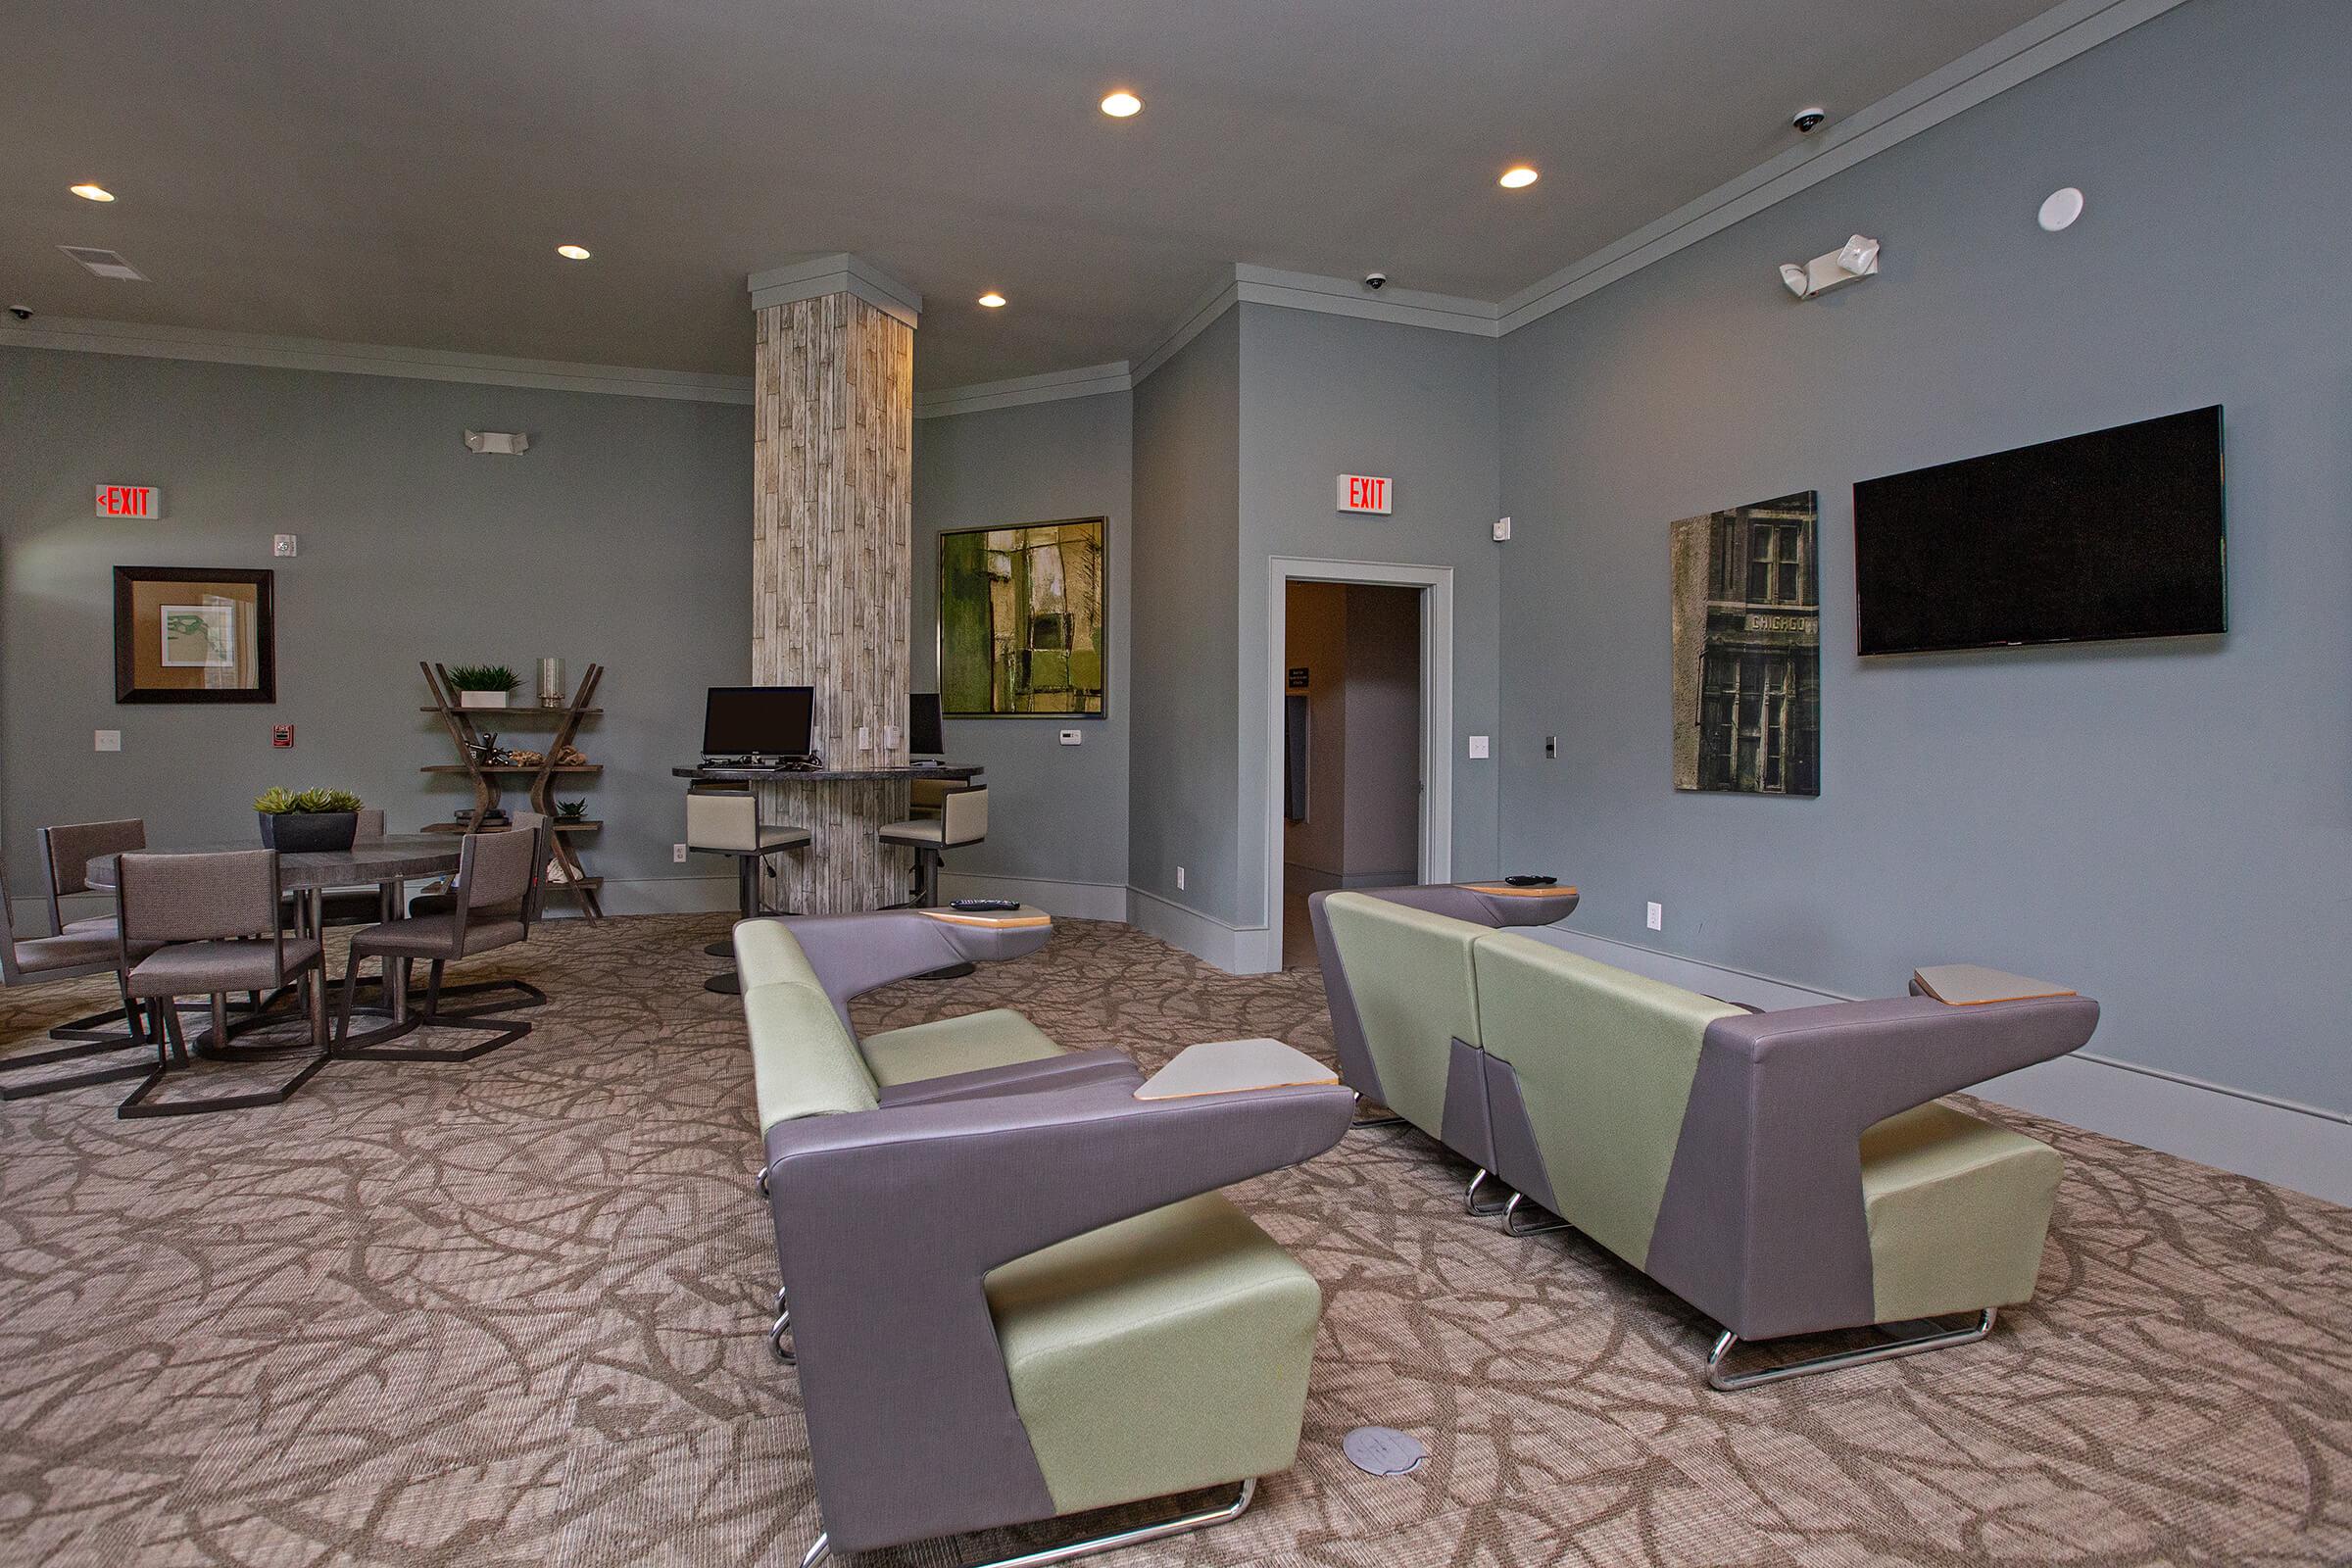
[1748,650]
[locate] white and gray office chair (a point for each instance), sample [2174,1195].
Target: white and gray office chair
[962,819]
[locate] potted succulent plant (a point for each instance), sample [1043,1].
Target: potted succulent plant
[482,685]
[571,811]
[309,821]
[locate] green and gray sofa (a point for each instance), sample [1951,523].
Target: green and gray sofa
[1010,1286]
[1785,1172]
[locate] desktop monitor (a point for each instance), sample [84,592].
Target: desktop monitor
[757,720]
[923,737]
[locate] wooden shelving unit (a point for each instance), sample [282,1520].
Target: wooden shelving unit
[537,779]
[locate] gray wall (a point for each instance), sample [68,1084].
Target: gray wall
[1056,812]
[1326,395]
[1182,799]
[2166,826]
[623,536]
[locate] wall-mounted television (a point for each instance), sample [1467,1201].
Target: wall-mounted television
[2095,537]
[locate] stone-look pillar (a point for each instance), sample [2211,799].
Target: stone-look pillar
[831,563]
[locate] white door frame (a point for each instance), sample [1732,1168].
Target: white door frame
[1437,705]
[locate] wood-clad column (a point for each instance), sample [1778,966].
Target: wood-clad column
[831,563]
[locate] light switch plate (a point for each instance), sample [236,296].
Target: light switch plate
[1478,746]
[1071,737]
[109,740]
[283,544]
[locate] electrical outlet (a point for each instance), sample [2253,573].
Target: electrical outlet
[1551,748]
[284,545]
[1071,737]
[862,737]
[890,737]
[1180,879]
[677,854]
[1657,917]
[1502,529]
[108,740]
[1478,746]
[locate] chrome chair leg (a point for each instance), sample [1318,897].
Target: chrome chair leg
[1470,1202]
[1915,1345]
[1116,1540]
[782,1296]
[775,1339]
[1512,1227]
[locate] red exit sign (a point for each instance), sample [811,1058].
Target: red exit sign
[1362,491]
[129,501]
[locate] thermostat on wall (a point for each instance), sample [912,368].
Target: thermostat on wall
[1071,737]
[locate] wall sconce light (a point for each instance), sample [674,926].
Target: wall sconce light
[504,442]
[1856,260]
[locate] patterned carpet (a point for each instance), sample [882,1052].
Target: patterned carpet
[511,1313]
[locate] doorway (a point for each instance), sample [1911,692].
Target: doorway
[1362,703]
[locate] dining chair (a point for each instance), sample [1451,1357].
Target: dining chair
[356,905]
[492,905]
[67,955]
[207,925]
[524,993]
[66,851]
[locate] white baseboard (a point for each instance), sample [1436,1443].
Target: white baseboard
[653,894]
[2307,1147]
[1297,878]
[1236,949]
[1072,901]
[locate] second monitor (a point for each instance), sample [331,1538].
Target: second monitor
[924,735]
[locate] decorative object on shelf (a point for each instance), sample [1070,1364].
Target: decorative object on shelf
[307,822]
[551,683]
[195,634]
[1748,650]
[490,766]
[1022,620]
[482,685]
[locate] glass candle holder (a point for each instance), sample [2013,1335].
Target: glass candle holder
[551,683]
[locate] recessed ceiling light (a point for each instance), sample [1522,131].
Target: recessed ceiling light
[1518,176]
[1119,104]
[573,253]
[993,300]
[93,193]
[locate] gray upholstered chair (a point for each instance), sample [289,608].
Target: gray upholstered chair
[66,851]
[492,905]
[1051,1311]
[728,822]
[962,819]
[208,925]
[351,906]
[520,993]
[77,951]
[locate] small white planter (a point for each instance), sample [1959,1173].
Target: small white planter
[481,699]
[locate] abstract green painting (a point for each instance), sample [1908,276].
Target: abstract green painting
[1022,620]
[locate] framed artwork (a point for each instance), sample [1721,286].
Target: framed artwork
[1747,649]
[1022,620]
[195,634]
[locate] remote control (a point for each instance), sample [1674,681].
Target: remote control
[1531,881]
[984,905]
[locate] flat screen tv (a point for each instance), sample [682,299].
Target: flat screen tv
[2109,535]
[757,720]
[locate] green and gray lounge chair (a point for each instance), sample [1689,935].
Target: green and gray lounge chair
[1013,1293]
[1785,1172]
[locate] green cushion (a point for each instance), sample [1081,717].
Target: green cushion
[1605,1059]
[1958,1208]
[1409,972]
[765,953]
[804,1063]
[1166,1352]
[995,1039]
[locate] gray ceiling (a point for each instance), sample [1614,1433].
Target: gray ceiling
[401,172]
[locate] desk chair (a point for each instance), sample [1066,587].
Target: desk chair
[71,953]
[491,905]
[208,925]
[962,819]
[728,822]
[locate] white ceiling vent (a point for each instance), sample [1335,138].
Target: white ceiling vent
[105,263]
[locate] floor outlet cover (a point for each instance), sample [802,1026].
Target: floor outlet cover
[1384,1451]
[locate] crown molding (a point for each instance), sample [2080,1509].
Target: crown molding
[838,273]
[139,339]
[1088,381]
[1337,296]
[1191,325]
[2018,55]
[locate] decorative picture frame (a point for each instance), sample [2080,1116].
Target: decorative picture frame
[1024,620]
[1747,649]
[195,634]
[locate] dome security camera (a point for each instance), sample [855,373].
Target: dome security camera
[23,313]
[1808,120]
[1376,281]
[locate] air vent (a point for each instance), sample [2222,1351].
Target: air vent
[103,263]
